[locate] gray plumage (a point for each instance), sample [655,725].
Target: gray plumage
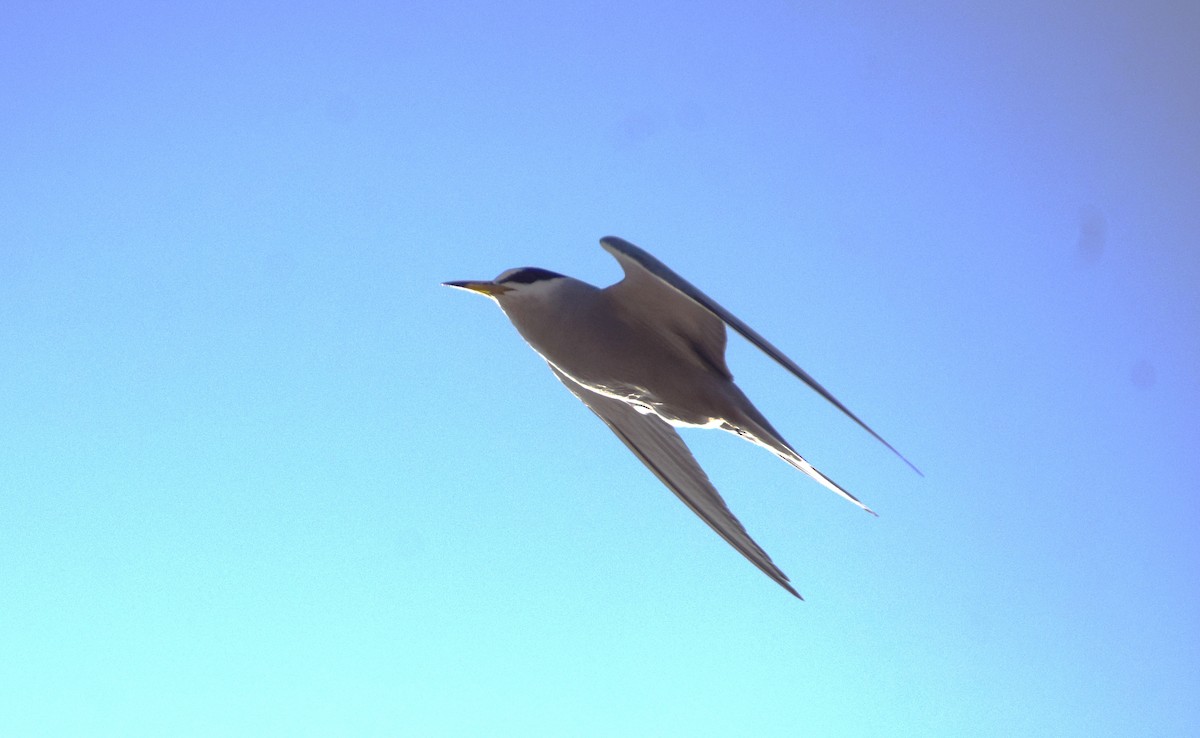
[646,354]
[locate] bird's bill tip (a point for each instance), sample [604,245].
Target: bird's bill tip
[489,289]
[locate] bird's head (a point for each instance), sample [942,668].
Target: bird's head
[514,284]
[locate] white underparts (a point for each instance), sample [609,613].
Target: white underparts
[636,398]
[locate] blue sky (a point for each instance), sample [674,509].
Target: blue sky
[261,475]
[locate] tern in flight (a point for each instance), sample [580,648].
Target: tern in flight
[647,354]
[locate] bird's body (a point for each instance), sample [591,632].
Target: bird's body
[586,334]
[646,354]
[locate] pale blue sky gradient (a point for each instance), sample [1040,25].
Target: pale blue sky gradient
[260,475]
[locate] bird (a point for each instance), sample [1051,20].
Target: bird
[647,355]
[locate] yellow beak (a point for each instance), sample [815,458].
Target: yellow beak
[490,289]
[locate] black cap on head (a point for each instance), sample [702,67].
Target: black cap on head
[527,275]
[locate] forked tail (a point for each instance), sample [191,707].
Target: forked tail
[759,431]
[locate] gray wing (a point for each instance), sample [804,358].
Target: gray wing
[644,270]
[663,452]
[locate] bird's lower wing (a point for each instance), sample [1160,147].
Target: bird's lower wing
[643,264]
[663,452]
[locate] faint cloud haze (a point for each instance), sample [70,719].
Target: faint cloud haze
[1142,374]
[1093,231]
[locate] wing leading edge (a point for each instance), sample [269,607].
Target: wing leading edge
[633,258]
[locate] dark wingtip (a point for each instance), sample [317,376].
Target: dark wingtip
[880,439]
[906,461]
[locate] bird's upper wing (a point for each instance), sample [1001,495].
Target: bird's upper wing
[647,275]
[677,315]
[663,452]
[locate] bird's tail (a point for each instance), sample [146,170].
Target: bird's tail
[755,428]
